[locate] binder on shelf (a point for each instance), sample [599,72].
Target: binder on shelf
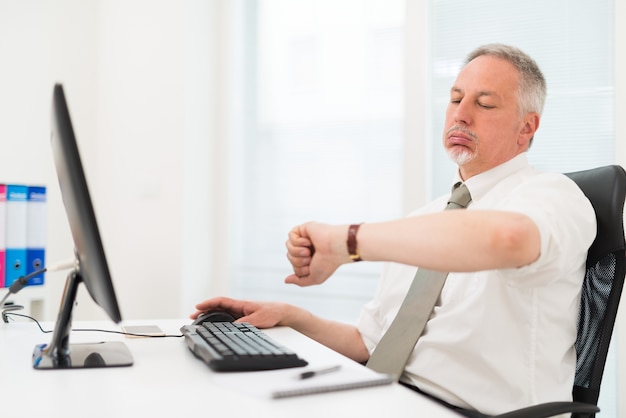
[15,229]
[3,246]
[36,226]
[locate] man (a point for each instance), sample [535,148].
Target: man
[502,333]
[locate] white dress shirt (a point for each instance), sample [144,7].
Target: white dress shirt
[501,339]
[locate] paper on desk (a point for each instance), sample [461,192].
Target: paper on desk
[286,382]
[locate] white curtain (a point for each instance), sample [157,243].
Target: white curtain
[321,140]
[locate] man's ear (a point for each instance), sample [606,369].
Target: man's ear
[530,124]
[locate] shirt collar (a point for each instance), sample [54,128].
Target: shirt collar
[480,184]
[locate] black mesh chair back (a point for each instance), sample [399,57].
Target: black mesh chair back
[605,187]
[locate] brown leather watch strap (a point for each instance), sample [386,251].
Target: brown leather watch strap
[352,244]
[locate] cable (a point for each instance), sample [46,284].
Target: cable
[23,280]
[20,283]
[131,334]
[6,315]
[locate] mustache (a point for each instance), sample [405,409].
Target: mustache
[463,129]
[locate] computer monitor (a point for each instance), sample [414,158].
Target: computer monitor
[91,267]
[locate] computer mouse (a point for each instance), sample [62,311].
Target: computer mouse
[214,316]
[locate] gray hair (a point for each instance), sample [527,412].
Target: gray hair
[531,93]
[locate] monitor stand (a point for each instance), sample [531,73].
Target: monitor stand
[60,354]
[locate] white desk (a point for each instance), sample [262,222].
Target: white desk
[166,380]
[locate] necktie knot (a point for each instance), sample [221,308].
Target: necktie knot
[460,197]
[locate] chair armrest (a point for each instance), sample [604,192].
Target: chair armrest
[551,409]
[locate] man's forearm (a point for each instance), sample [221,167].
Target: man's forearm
[453,241]
[343,338]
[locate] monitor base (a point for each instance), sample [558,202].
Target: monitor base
[103,354]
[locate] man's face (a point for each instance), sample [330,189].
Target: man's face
[483,128]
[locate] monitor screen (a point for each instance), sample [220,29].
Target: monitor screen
[78,207]
[92,268]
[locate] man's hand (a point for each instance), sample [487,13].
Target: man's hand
[259,314]
[315,251]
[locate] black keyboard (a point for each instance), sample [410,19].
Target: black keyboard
[231,346]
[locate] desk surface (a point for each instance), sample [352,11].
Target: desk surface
[167,380]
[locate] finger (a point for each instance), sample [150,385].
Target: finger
[302,271]
[292,279]
[217,303]
[209,303]
[301,281]
[299,252]
[298,238]
[301,247]
[298,261]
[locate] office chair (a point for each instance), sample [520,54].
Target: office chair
[605,187]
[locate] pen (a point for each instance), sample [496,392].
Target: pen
[312,373]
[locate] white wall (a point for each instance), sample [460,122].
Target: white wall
[141,105]
[160,105]
[139,79]
[43,42]
[205,255]
[417,104]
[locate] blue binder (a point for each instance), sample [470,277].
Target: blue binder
[16,221]
[36,233]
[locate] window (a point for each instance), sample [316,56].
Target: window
[322,139]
